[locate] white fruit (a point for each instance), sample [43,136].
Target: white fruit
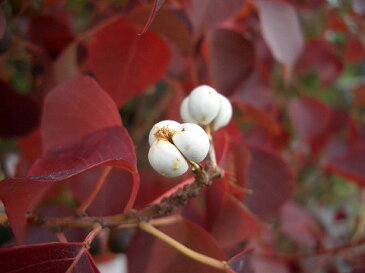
[170,125]
[166,159]
[204,104]
[192,141]
[224,115]
[185,112]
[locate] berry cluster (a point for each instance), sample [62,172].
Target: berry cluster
[173,145]
[206,106]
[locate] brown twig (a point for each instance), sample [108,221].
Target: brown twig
[203,178]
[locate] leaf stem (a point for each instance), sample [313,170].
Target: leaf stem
[222,265]
[87,242]
[99,183]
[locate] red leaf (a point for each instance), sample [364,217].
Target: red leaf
[81,129]
[298,224]
[354,50]
[148,254]
[231,58]
[229,221]
[320,56]
[75,109]
[281,31]
[126,64]
[174,189]
[335,22]
[358,269]
[54,257]
[271,180]
[359,96]
[30,145]
[153,186]
[49,32]
[304,114]
[19,114]
[157,4]
[205,14]
[235,164]
[351,165]
[259,116]
[168,24]
[112,197]
[256,92]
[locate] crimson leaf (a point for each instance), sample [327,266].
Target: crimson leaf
[53,257]
[81,129]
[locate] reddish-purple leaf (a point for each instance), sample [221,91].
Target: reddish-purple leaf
[351,165]
[54,257]
[30,146]
[261,117]
[271,180]
[173,189]
[281,31]
[150,255]
[2,24]
[123,62]
[81,129]
[75,109]
[154,185]
[205,14]
[335,22]
[320,56]
[354,50]
[255,92]
[298,224]
[157,4]
[304,114]
[358,98]
[167,24]
[231,57]
[112,197]
[230,221]
[50,32]
[358,269]
[19,114]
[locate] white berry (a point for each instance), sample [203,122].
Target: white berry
[166,159]
[192,141]
[204,104]
[167,124]
[224,115]
[185,112]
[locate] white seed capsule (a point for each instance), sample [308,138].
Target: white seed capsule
[166,159]
[168,124]
[192,141]
[204,104]
[185,112]
[224,114]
